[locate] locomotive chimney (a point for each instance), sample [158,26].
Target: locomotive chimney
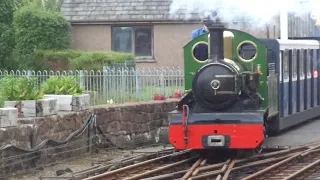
[216,29]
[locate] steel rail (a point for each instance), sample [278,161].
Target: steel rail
[230,166]
[162,168]
[174,175]
[281,163]
[202,169]
[216,172]
[193,167]
[296,174]
[114,172]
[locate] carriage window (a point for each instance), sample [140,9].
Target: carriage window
[301,63]
[281,64]
[317,59]
[290,64]
[310,61]
[298,62]
[285,56]
[306,61]
[315,64]
[294,63]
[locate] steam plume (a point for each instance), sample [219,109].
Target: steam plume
[256,12]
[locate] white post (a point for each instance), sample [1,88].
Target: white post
[284,24]
[81,77]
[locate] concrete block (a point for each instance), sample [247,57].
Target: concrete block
[8,117]
[33,108]
[63,101]
[46,107]
[70,102]
[29,108]
[26,108]
[80,102]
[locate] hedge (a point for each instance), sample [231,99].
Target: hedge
[78,60]
[38,29]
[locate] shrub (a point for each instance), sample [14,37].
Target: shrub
[96,60]
[35,29]
[54,60]
[79,60]
[19,88]
[62,86]
[2,99]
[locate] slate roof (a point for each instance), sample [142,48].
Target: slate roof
[120,10]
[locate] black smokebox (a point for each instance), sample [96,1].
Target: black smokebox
[216,29]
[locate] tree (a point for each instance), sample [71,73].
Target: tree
[47,5]
[36,29]
[6,11]
[52,5]
[38,24]
[7,44]
[7,8]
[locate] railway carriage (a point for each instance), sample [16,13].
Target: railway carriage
[297,67]
[241,88]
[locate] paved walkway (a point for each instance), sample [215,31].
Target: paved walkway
[304,134]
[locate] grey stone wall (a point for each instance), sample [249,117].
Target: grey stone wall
[45,138]
[116,121]
[32,131]
[135,124]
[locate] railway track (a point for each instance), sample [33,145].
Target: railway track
[228,169]
[185,165]
[292,163]
[163,164]
[302,165]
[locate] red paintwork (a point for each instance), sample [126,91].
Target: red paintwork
[243,136]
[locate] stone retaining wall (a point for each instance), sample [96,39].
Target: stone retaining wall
[135,124]
[32,131]
[123,126]
[138,123]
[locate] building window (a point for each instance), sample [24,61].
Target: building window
[136,40]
